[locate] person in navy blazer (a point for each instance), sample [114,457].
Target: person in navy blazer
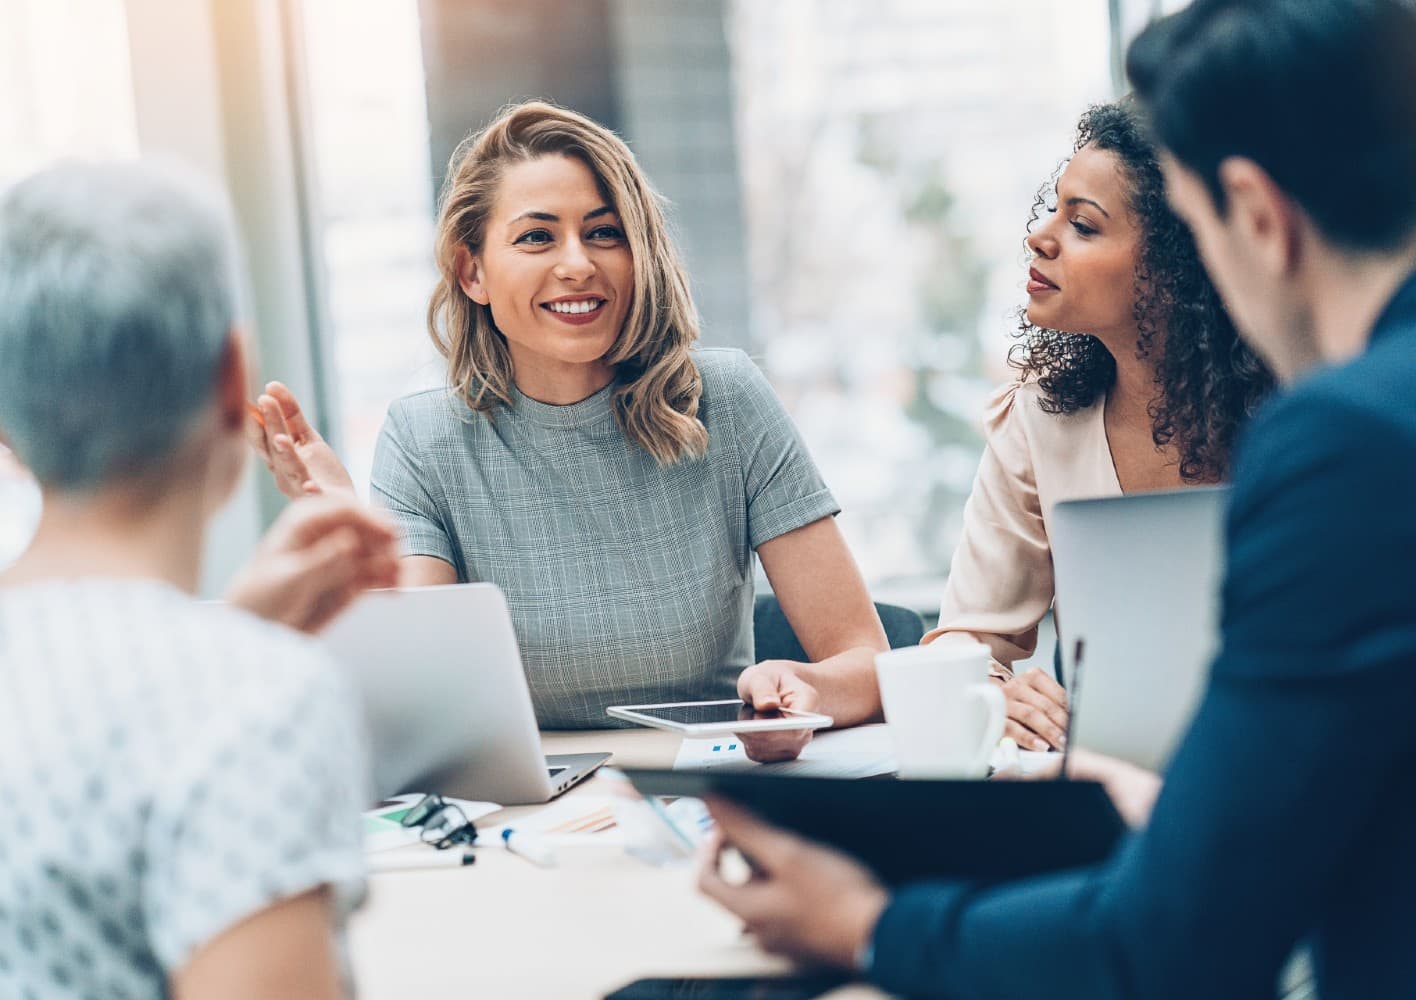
[1286,818]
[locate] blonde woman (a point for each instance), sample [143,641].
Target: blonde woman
[614,481]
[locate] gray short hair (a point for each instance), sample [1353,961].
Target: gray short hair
[117,292]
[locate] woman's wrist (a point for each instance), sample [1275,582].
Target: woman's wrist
[846,686]
[873,909]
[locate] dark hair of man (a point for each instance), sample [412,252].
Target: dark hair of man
[1208,382]
[1319,93]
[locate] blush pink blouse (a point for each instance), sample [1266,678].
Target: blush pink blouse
[1000,582]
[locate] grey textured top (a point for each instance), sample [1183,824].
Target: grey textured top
[167,769]
[627,582]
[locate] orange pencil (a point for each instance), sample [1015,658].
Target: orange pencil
[255,411]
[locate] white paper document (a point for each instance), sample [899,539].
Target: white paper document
[574,820]
[859,752]
[1030,761]
[383,832]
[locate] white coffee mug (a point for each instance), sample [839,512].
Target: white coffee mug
[945,715]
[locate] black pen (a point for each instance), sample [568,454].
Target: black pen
[1073,698]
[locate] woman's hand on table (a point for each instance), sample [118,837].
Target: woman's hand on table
[301,461]
[1132,790]
[771,685]
[1037,711]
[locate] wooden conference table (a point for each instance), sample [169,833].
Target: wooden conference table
[505,929]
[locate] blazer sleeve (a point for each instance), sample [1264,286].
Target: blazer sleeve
[1286,768]
[1000,580]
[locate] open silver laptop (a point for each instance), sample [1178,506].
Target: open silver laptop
[1137,581]
[445,697]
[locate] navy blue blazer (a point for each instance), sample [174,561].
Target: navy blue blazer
[1288,813]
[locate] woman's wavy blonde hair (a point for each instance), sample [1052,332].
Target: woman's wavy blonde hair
[658,386]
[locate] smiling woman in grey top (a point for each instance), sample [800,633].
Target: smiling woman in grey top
[611,479]
[626,582]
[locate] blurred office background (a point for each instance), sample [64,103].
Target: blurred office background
[849,180]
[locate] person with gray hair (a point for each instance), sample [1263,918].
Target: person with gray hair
[182,782]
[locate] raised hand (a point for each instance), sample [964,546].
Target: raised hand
[301,461]
[316,558]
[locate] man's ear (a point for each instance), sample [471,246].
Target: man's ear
[469,276]
[231,382]
[1262,215]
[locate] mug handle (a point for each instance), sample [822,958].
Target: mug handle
[990,697]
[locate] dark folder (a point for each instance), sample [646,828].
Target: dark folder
[911,830]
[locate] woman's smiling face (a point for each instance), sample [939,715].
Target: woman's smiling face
[554,268]
[1082,278]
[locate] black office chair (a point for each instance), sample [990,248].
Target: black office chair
[775,640]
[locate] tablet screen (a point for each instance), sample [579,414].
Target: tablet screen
[707,713]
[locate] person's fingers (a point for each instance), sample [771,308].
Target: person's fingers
[273,415]
[796,694]
[290,469]
[710,853]
[765,846]
[380,571]
[374,529]
[760,689]
[1037,713]
[263,436]
[330,605]
[1044,684]
[1051,700]
[327,578]
[256,437]
[328,563]
[292,416]
[1086,765]
[711,883]
[772,748]
[282,440]
[1023,736]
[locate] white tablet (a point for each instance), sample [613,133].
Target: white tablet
[712,718]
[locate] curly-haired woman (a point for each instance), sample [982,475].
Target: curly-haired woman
[612,480]
[1131,378]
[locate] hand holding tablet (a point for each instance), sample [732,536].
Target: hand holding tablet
[715,718]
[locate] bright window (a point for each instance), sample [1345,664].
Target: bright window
[890,155]
[65,91]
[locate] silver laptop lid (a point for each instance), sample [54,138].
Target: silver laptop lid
[446,702]
[1137,584]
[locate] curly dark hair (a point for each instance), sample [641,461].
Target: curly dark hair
[1208,381]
